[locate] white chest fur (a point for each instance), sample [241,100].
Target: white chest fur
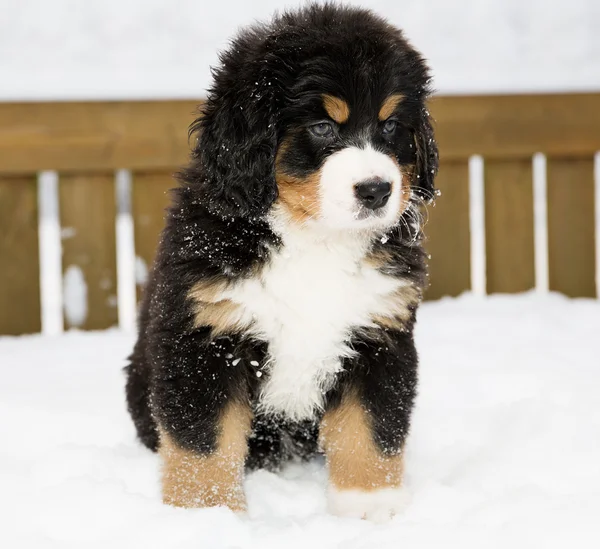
[305,304]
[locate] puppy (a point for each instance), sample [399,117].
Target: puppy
[278,319]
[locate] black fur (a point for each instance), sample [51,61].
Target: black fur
[268,87]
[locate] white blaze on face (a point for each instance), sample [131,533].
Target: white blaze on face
[345,169]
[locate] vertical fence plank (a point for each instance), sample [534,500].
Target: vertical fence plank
[448,233]
[149,201]
[509,225]
[88,210]
[571,228]
[20,309]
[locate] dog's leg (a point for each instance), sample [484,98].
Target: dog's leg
[194,479]
[201,403]
[364,482]
[363,432]
[138,380]
[138,400]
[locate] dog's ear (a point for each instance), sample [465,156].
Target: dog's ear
[427,157]
[232,165]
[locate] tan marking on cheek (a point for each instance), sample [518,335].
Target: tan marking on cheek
[407,173]
[353,458]
[337,109]
[190,479]
[389,106]
[298,195]
[211,309]
[406,177]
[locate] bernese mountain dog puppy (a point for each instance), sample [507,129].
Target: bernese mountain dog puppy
[278,319]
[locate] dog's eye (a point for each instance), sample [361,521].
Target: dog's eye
[389,127]
[321,129]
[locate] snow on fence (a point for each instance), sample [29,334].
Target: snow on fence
[517,209]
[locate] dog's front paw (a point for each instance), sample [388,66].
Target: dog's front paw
[375,505]
[190,495]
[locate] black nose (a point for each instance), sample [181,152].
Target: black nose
[373,194]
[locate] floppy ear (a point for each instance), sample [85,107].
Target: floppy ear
[427,157]
[232,164]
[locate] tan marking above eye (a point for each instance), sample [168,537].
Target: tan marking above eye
[389,106]
[337,109]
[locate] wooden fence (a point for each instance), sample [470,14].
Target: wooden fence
[86,142]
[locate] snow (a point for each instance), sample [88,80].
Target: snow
[141,271]
[115,49]
[504,449]
[75,296]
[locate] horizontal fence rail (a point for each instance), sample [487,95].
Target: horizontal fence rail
[87,142]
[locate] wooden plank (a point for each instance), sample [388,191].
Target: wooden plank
[20,309]
[148,203]
[571,228]
[145,135]
[502,126]
[87,212]
[448,233]
[509,226]
[90,136]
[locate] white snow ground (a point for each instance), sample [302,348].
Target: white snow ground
[504,451]
[117,49]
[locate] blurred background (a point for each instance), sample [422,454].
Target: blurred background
[116,49]
[96,97]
